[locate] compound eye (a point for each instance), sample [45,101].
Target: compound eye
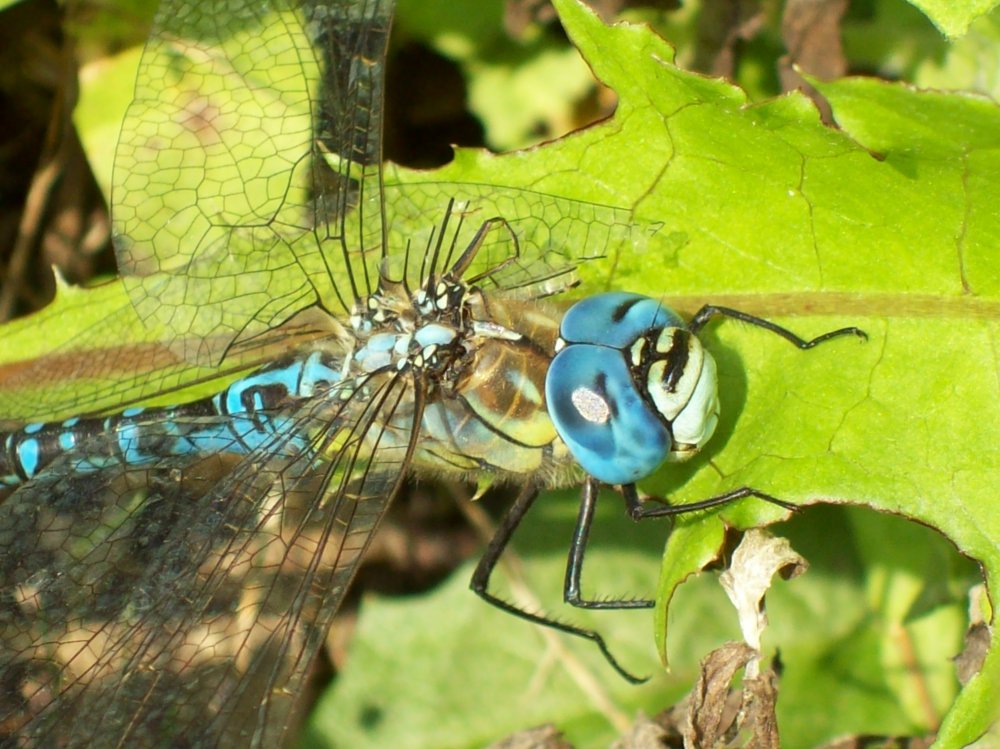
[608,427]
[615,319]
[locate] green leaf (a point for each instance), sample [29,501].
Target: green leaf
[971,62]
[953,18]
[106,90]
[89,352]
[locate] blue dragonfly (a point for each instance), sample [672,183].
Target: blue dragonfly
[178,532]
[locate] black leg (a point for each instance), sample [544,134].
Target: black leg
[462,264]
[638,510]
[489,560]
[709,311]
[577,549]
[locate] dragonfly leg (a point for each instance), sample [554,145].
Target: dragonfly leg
[577,549]
[490,559]
[706,313]
[638,510]
[462,264]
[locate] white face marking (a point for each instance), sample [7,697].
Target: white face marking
[637,348]
[591,406]
[670,403]
[665,341]
[698,419]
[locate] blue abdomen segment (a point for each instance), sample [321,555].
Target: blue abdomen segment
[614,435]
[238,420]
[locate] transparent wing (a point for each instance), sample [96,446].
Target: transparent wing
[254,132]
[535,241]
[88,354]
[181,604]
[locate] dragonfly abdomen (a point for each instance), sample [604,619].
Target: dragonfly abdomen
[236,420]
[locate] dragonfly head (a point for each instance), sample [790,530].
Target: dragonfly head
[630,387]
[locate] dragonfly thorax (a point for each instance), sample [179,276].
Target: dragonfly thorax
[480,359]
[630,387]
[396,330]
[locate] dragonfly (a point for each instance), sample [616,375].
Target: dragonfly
[178,532]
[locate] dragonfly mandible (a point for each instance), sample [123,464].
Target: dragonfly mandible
[169,571]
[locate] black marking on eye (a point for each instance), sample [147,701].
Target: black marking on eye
[619,312]
[601,388]
[677,360]
[640,373]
